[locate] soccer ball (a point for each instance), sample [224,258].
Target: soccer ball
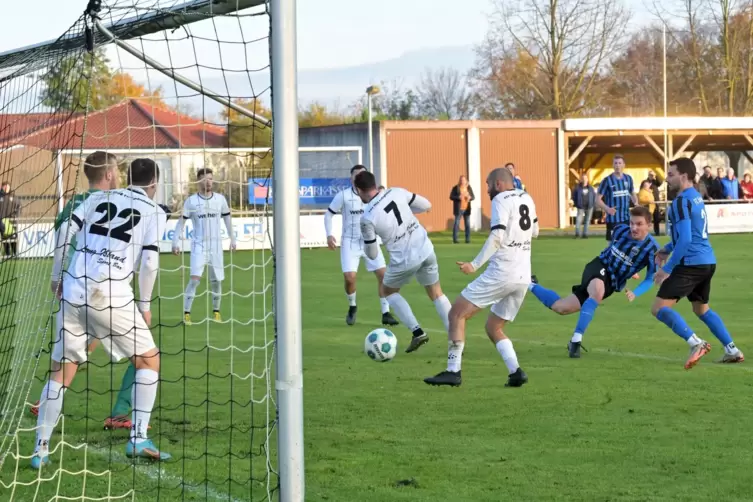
[381,345]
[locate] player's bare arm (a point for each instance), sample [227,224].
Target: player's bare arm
[179,226]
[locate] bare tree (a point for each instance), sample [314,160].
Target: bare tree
[444,94]
[570,42]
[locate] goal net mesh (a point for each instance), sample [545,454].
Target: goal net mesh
[63,100]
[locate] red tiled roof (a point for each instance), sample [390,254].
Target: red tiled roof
[132,123]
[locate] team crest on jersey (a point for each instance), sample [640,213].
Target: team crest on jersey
[634,251]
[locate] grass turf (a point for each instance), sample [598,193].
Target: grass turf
[625,422]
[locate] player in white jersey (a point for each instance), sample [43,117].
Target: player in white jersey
[205,209]
[114,230]
[349,204]
[504,283]
[388,214]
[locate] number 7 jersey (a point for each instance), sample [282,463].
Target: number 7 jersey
[390,217]
[115,226]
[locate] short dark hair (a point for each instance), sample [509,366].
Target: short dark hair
[618,156]
[365,181]
[685,166]
[142,172]
[357,167]
[641,211]
[203,172]
[510,164]
[96,165]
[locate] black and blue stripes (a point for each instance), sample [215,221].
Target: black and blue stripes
[626,256]
[617,192]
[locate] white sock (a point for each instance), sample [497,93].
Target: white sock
[190,295]
[144,393]
[50,405]
[731,349]
[403,311]
[531,286]
[351,299]
[694,340]
[454,355]
[385,305]
[505,349]
[577,338]
[443,306]
[216,294]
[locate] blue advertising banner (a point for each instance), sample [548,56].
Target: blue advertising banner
[312,191]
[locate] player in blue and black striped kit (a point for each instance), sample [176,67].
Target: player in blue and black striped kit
[616,192]
[687,272]
[632,249]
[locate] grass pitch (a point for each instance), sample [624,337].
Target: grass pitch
[626,422]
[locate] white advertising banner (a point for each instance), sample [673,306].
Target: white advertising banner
[37,240]
[730,218]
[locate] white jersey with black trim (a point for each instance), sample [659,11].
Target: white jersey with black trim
[514,216]
[205,214]
[113,228]
[393,221]
[349,204]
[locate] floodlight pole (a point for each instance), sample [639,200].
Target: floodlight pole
[370,91]
[287,251]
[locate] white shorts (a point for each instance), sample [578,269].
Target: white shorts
[504,297]
[426,273]
[122,331]
[350,259]
[214,260]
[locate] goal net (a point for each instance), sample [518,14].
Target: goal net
[187,85]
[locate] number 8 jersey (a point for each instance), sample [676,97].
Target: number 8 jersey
[112,229]
[389,216]
[514,214]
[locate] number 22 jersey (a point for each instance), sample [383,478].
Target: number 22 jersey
[113,228]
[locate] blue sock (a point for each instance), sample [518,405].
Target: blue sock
[586,315]
[717,327]
[675,322]
[545,296]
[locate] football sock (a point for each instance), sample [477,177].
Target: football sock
[351,299]
[190,295]
[505,349]
[384,304]
[454,355]
[675,322]
[443,306]
[144,395]
[216,294]
[577,337]
[403,311]
[717,327]
[545,296]
[585,318]
[123,403]
[50,405]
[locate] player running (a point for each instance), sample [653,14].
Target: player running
[689,264]
[632,249]
[114,230]
[350,205]
[205,209]
[504,283]
[616,191]
[388,215]
[101,171]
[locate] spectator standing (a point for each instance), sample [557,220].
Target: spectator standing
[730,186]
[717,190]
[616,192]
[746,185]
[516,180]
[584,200]
[706,182]
[655,181]
[646,196]
[10,208]
[461,196]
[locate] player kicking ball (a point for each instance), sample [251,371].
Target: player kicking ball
[388,214]
[350,205]
[205,209]
[504,283]
[687,265]
[631,250]
[115,229]
[101,171]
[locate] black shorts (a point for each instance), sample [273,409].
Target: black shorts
[594,270]
[610,228]
[688,281]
